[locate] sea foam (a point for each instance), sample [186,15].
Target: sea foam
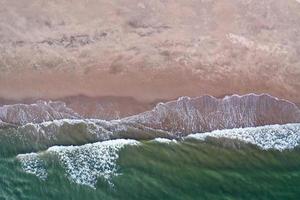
[87,163]
[32,164]
[83,164]
[278,137]
[164,140]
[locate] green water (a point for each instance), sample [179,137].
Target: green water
[184,170]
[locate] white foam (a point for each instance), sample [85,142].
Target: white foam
[84,164]
[50,129]
[61,122]
[164,140]
[32,164]
[278,137]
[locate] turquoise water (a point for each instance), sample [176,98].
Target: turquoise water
[190,169]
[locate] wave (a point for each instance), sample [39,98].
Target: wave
[165,140]
[34,137]
[204,114]
[279,137]
[87,163]
[21,114]
[76,132]
[181,117]
[97,142]
[32,164]
[83,164]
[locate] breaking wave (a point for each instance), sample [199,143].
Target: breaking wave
[279,137]
[165,140]
[32,164]
[83,164]
[87,163]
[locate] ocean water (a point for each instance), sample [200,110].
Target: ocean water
[189,168]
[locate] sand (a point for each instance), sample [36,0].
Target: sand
[149,50]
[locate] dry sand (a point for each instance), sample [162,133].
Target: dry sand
[149,50]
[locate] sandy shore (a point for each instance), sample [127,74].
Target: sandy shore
[149,50]
[146,86]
